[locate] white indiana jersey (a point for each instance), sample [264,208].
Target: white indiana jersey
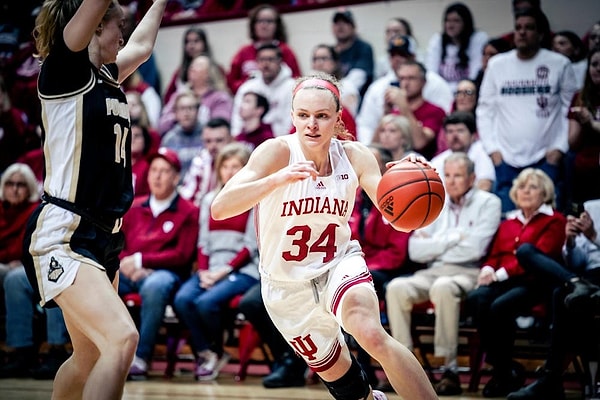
[303,227]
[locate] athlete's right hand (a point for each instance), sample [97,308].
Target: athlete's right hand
[297,172]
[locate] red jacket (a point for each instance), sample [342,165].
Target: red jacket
[546,232]
[13,220]
[167,241]
[384,247]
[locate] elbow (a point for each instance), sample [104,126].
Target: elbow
[217,212]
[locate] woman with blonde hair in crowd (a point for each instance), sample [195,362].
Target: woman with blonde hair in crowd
[505,288]
[207,82]
[393,134]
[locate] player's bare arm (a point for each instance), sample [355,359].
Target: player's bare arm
[81,28]
[267,169]
[141,43]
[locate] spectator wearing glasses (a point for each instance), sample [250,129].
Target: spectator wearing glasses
[435,90]
[266,27]
[20,196]
[465,100]
[394,27]
[326,59]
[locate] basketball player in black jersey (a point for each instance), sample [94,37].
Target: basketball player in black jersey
[73,240]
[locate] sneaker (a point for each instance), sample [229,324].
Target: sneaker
[581,296]
[377,395]
[289,372]
[212,365]
[138,370]
[547,387]
[449,385]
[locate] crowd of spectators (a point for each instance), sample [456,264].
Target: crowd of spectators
[512,124]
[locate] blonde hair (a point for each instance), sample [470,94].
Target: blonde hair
[400,122]
[216,78]
[231,150]
[340,129]
[538,176]
[28,175]
[54,17]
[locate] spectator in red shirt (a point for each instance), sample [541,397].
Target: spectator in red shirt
[266,26]
[20,196]
[161,232]
[505,289]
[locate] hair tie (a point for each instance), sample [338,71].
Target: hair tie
[320,83]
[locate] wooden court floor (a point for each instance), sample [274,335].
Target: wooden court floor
[183,386]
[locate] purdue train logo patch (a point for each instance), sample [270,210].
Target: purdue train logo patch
[55,270]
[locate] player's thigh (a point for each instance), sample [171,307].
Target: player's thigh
[92,307]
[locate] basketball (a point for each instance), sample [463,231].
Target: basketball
[410,195]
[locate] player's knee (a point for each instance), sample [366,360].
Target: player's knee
[354,385]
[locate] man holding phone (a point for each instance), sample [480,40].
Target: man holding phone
[376,103]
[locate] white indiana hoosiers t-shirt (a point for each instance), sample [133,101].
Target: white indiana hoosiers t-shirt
[303,227]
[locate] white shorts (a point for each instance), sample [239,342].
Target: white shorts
[308,313]
[55,262]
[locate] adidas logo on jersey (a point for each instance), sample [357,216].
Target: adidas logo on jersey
[320,185]
[388,206]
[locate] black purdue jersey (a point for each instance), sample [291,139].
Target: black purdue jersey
[87,144]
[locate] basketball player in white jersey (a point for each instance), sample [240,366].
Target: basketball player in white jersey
[314,278]
[73,241]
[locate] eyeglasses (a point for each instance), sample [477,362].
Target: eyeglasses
[267,59]
[18,185]
[186,108]
[467,92]
[265,21]
[315,59]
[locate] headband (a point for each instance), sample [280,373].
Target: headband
[320,83]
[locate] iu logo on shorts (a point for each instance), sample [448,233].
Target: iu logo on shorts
[305,347]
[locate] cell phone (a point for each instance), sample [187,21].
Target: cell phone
[395,84]
[576,209]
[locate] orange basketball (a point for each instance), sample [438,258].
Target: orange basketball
[410,195]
